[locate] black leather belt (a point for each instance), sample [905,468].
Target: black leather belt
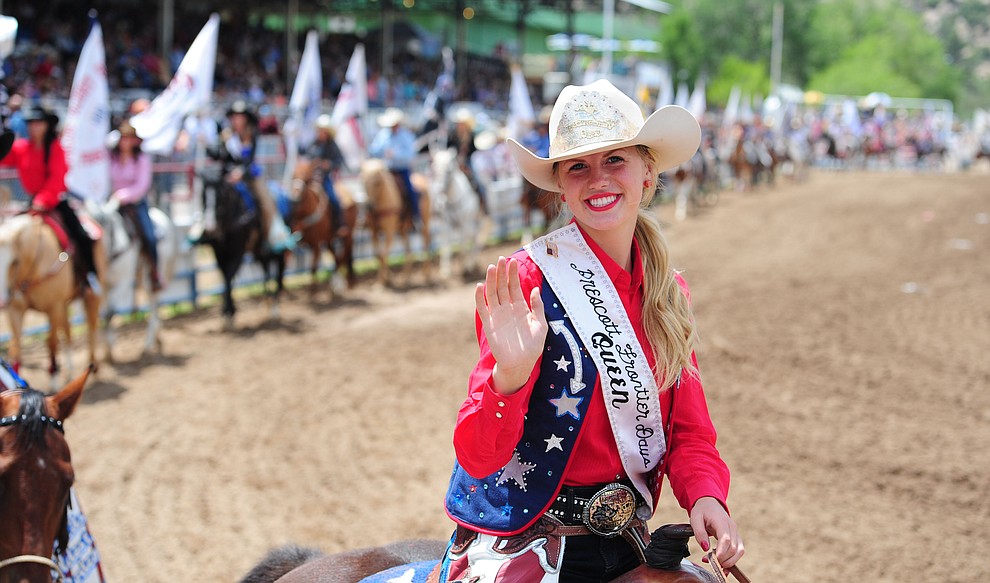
[605,510]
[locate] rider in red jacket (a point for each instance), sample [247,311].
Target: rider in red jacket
[41,167]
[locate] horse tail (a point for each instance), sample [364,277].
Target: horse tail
[280,561]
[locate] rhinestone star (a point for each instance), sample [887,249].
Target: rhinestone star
[567,405]
[516,471]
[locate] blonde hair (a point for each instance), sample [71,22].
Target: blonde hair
[667,317]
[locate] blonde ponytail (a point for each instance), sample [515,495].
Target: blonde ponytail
[667,317]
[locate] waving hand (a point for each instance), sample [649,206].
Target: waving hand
[515,331]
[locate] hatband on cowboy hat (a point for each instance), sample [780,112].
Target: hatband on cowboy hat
[392,117]
[588,119]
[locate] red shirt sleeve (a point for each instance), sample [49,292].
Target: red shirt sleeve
[489,425]
[694,467]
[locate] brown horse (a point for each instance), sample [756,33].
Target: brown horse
[388,563]
[312,217]
[35,476]
[386,217]
[41,277]
[548,203]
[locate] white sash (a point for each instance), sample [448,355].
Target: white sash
[628,385]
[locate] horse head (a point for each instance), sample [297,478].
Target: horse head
[35,476]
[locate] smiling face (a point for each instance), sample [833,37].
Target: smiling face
[604,190]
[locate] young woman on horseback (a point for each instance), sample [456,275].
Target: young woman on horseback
[241,144]
[587,391]
[41,167]
[130,183]
[328,161]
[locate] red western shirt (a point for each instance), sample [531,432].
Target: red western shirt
[489,425]
[44,183]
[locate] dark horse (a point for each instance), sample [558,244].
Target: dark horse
[411,560]
[35,476]
[237,232]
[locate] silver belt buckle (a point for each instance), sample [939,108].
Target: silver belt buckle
[610,510]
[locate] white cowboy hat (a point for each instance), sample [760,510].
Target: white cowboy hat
[485,140]
[392,117]
[324,122]
[587,119]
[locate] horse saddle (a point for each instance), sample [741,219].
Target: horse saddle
[54,223]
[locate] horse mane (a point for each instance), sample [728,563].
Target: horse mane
[32,410]
[280,561]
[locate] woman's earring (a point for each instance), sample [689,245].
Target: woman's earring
[563,197]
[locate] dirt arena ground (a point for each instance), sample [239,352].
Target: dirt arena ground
[845,330]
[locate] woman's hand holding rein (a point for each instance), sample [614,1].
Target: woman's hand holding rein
[515,330]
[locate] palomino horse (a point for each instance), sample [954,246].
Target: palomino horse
[312,217]
[416,560]
[238,232]
[128,268]
[386,218]
[41,277]
[458,207]
[35,477]
[536,199]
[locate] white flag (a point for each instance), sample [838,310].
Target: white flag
[8,34]
[732,107]
[352,102]
[304,104]
[190,89]
[698,103]
[88,123]
[682,95]
[665,95]
[521,114]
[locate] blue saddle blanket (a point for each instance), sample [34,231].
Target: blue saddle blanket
[411,573]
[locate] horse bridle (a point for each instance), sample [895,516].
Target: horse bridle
[55,424]
[34,559]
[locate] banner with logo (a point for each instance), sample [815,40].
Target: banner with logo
[190,89]
[87,124]
[351,105]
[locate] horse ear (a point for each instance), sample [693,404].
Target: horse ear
[64,402]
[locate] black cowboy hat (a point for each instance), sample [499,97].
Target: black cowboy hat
[6,141]
[241,106]
[36,112]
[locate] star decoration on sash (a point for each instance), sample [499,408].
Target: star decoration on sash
[554,442]
[516,471]
[567,405]
[406,577]
[562,364]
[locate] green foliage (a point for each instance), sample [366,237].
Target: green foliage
[834,46]
[859,47]
[751,78]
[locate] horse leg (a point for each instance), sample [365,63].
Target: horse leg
[91,304]
[152,341]
[58,321]
[15,315]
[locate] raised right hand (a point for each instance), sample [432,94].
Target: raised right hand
[515,331]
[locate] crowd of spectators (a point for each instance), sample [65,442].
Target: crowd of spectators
[251,60]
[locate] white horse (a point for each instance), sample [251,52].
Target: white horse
[129,269]
[462,223]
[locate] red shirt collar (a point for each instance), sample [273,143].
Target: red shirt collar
[623,280]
